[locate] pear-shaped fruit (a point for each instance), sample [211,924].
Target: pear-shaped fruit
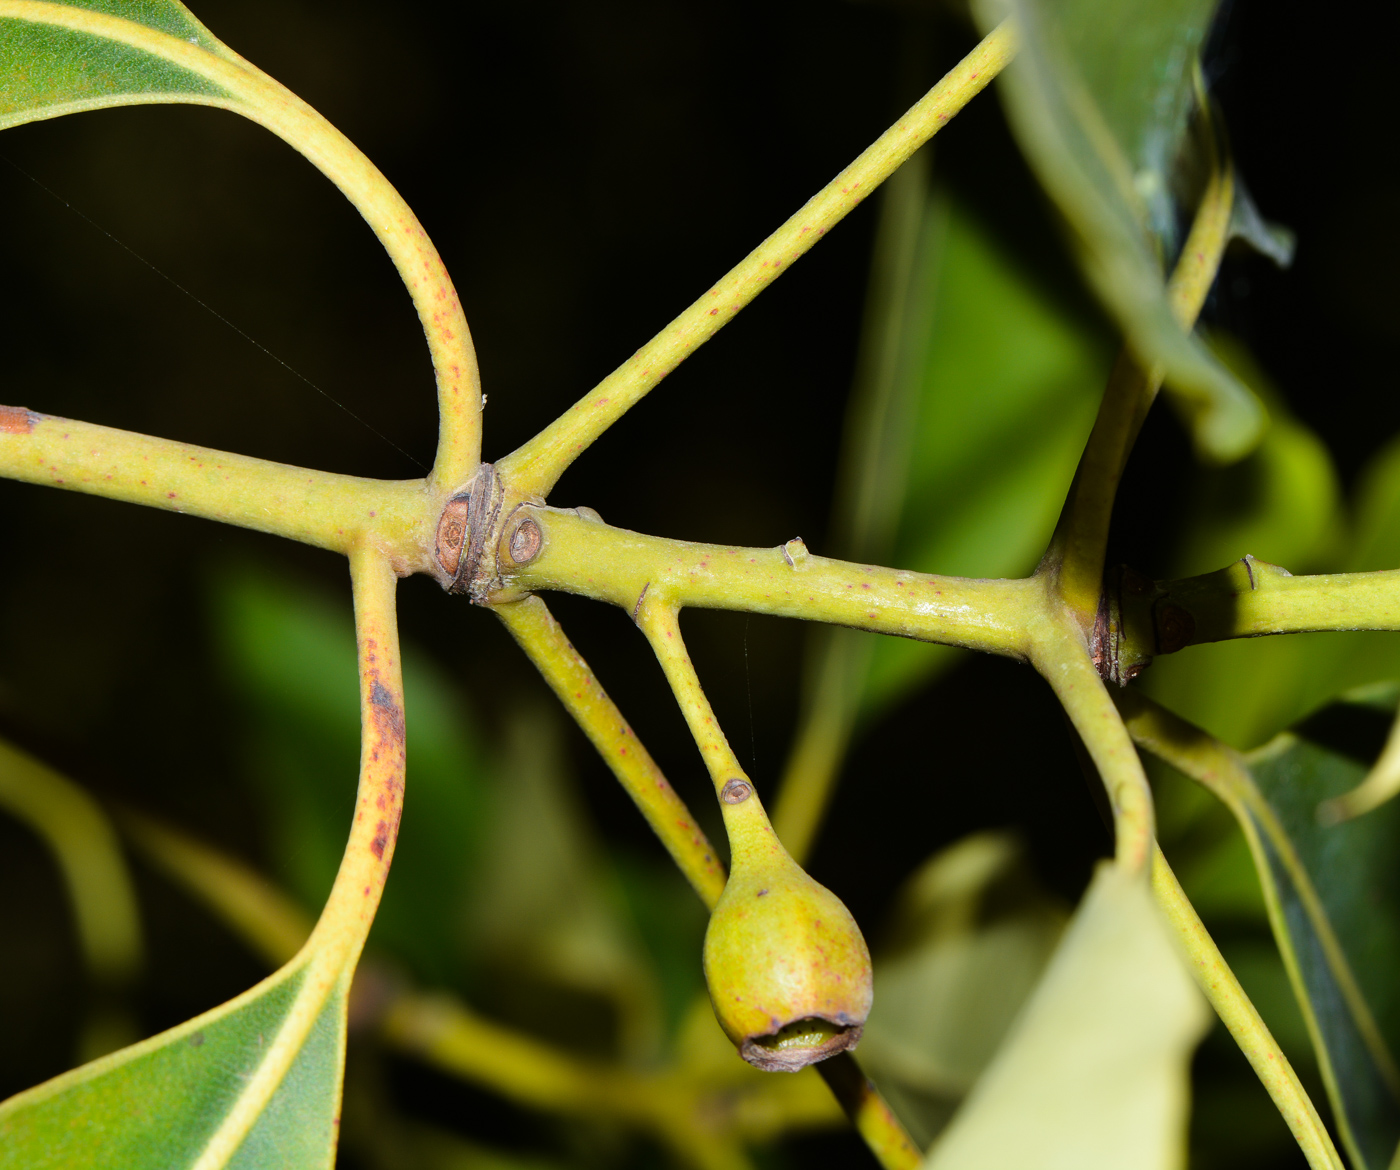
[787,967]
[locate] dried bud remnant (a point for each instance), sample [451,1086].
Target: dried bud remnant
[452,533]
[795,550]
[526,542]
[16,420]
[736,792]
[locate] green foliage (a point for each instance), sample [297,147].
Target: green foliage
[160,1103]
[1094,1074]
[54,69]
[1005,1032]
[1099,100]
[1343,943]
[970,937]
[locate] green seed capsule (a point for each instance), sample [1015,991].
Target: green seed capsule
[787,967]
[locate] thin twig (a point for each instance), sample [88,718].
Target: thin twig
[1243,1021]
[534,468]
[540,636]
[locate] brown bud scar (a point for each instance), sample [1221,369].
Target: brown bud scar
[452,533]
[526,542]
[736,792]
[1175,628]
[17,420]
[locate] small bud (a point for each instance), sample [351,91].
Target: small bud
[787,967]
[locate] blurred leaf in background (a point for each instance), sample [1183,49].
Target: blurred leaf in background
[1095,1073]
[1283,505]
[546,905]
[1099,99]
[1004,383]
[969,938]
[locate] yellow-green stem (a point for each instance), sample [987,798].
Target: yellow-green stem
[535,467]
[874,1120]
[1081,538]
[540,636]
[1243,1021]
[584,556]
[329,955]
[315,507]
[1061,655]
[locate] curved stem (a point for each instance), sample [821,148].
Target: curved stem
[329,955]
[540,636]
[1061,655]
[534,468]
[1081,538]
[1242,1020]
[315,507]
[250,92]
[658,618]
[583,556]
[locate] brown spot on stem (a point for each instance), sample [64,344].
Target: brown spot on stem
[17,420]
[452,533]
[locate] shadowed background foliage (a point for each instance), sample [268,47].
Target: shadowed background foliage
[586,170]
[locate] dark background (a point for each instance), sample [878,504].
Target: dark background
[586,169]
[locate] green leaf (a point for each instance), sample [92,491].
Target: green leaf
[1099,98]
[1003,379]
[1094,1073]
[290,655]
[970,938]
[1333,892]
[62,58]
[157,1104]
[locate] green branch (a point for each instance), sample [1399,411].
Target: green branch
[1061,656]
[320,508]
[580,555]
[1248,599]
[1243,1021]
[568,675]
[534,468]
[1081,538]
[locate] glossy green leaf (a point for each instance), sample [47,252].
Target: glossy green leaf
[1099,98]
[290,654]
[1333,893]
[970,938]
[1004,386]
[1094,1074]
[62,58]
[158,1103]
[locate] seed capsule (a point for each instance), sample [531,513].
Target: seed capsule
[787,968]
